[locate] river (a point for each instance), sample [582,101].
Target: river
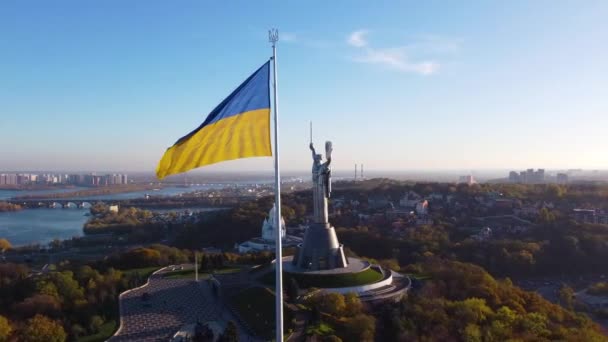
[167,191]
[43,225]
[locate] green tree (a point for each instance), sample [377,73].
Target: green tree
[68,288]
[546,216]
[472,310]
[47,288]
[5,329]
[42,329]
[472,333]
[535,323]
[331,303]
[555,191]
[95,324]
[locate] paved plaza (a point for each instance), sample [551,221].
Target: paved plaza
[355,265]
[168,305]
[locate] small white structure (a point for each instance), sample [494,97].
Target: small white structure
[269,232]
[113,208]
[269,226]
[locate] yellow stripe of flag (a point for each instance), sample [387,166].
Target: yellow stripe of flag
[239,127]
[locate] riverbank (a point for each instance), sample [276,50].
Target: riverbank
[43,225]
[35,187]
[99,191]
[9,207]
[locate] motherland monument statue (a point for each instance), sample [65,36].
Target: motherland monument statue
[321,249]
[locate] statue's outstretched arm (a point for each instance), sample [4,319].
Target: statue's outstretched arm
[312,148]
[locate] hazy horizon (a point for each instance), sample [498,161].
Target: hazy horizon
[447,175]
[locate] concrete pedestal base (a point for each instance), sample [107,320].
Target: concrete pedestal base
[320,250]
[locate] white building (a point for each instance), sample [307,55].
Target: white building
[267,241]
[269,226]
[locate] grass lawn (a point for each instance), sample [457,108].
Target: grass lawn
[185,274]
[255,305]
[189,274]
[106,330]
[368,276]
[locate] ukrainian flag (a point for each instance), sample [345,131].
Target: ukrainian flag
[239,127]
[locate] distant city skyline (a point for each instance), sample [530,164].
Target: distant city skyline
[406,86]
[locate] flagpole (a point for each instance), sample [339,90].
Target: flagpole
[273,37]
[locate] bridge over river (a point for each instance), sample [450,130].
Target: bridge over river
[166,202]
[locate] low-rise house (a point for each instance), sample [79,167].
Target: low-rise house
[435,196]
[410,200]
[590,216]
[378,201]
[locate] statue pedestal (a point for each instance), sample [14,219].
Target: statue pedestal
[320,250]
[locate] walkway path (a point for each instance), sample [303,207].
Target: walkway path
[171,303]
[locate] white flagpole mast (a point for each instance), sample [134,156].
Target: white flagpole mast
[273,37]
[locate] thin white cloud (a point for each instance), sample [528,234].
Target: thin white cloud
[396,58]
[358,38]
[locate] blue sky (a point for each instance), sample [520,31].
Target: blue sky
[109,85]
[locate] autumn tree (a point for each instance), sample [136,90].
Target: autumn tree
[42,329]
[5,245]
[360,328]
[99,208]
[471,310]
[352,304]
[330,303]
[5,329]
[38,304]
[566,296]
